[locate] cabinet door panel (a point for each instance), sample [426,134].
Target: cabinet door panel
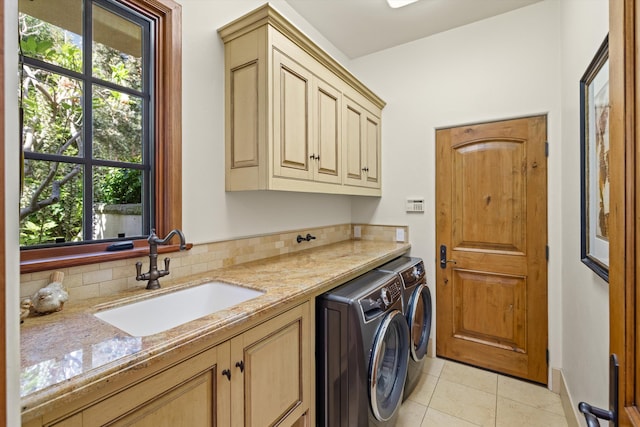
[352,126]
[273,379]
[373,152]
[74,421]
[184,392]
[276,383]
[188,405]
[327,127]
[291,93]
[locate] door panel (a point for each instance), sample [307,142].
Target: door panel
[328,144]
[373,150]
[489,207]
[489,309]
[291,94]
[353,139]
[491,297]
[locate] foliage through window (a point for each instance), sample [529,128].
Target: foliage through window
[87,122]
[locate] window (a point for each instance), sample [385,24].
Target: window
[101,127]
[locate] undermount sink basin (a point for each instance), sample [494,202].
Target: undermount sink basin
[172,309]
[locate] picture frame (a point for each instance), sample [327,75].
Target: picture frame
[594,163]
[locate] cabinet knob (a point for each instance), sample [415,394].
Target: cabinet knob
[227,373]
[240,365]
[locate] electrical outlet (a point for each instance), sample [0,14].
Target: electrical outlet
[399,234]
[357,231]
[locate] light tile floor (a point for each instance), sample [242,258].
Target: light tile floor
[451,394]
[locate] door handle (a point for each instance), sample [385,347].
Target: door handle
[443,257]
[591,413]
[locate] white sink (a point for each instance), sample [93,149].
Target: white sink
[167,311]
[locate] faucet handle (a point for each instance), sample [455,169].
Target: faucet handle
[166,266]
[139,270]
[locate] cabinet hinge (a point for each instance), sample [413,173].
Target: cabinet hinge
[546,149]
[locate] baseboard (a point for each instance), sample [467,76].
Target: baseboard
[570,410]
[431,351]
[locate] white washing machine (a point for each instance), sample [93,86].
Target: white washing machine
[361,352]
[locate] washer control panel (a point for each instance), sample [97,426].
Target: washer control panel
[379,300]
[413,275]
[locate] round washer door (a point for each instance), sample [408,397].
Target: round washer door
[419,318]
[388,365]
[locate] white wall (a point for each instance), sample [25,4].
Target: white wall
[585,297]
[503,67]
[209,213]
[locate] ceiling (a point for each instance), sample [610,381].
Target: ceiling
[361,27]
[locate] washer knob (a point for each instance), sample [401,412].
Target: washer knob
[386,297]
[416,272]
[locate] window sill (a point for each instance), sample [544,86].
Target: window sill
[35,260]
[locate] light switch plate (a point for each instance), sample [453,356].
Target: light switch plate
[399,234]
[357,231]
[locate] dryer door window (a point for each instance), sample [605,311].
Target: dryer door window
[388,365]
[419,318]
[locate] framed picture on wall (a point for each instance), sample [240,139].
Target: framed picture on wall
[594,165]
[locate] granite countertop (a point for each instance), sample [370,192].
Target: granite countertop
[65,354]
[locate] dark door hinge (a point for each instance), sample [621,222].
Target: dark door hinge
[546,149]
[547,356]
[546,252]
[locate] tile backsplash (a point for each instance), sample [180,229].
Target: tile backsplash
[109,278]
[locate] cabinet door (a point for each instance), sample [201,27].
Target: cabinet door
[291,113]
[372,148]
[327,137]
[361,139]
[273,370]
[74,421]
[183,395]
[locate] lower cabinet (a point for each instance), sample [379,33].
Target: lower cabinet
[270,368]
[261,377]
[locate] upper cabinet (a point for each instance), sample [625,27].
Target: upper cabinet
[296,120]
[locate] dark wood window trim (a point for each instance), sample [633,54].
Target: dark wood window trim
[167,16]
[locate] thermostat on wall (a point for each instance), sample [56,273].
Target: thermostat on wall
[415,205]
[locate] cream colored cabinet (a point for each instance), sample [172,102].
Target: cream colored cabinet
[181,395]
[270,366]
[306,114]
[261,377]
[284,103]
[361,138]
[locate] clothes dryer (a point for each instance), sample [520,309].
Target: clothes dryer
[417,307]
[361,352]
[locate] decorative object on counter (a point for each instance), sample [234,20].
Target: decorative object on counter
[308,238]
[25,308]
[52,297]
[154,274]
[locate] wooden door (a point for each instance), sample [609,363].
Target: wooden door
[624,256]
[491,198]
